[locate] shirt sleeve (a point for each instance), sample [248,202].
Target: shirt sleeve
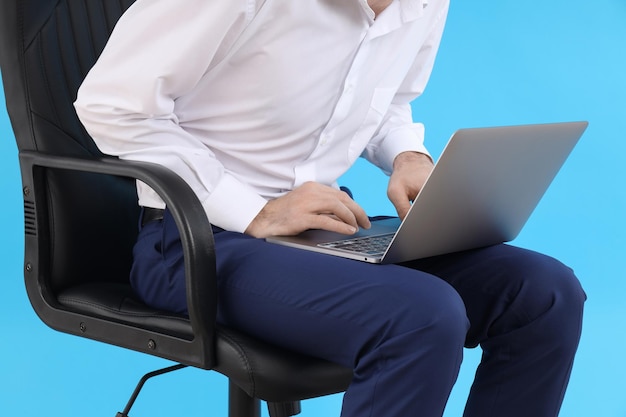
[158,52]
[398,133]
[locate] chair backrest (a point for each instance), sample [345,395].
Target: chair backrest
[78,278]
[47,47]
[80,207]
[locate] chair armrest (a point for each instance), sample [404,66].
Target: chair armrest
[190,218]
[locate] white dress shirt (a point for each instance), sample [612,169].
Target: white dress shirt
[248,99]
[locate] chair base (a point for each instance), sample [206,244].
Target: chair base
[284,409]
[240,404]
[141,383]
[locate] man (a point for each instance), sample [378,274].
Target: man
[261,106]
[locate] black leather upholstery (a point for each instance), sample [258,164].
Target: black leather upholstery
[261,370]
[81,216]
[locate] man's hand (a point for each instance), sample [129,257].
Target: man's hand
[410,171]
[310,206]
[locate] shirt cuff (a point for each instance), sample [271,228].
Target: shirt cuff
[402,139]
[233,205]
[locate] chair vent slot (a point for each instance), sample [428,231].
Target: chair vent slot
[30,223]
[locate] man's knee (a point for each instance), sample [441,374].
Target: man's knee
[549,296]
[431,312]
[568,301]
[549,281]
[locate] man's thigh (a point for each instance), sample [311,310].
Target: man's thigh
[323,305]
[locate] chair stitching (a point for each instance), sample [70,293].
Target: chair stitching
[105,308]
[244,358]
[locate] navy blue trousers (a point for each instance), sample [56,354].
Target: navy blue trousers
[402,328]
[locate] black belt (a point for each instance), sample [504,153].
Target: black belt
[151,214]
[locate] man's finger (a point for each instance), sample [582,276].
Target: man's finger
[332,224]
[361,217]
[401,202]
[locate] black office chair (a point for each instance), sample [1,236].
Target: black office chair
[80,212]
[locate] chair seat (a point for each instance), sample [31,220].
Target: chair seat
[261,370]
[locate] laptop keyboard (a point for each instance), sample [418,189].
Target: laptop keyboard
[371,245]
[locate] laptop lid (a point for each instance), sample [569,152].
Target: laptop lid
[481,192]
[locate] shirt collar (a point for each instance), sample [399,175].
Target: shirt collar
[367,8]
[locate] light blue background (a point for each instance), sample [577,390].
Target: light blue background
[501,62]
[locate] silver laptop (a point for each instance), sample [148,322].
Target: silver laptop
[481,192]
